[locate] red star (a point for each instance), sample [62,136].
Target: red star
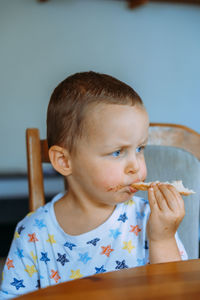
[106,250]
[135,229]
[9,263]
[55,275]
[32,237]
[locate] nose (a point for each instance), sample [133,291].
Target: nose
[132,166]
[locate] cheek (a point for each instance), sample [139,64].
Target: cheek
[107,177]
[143,170]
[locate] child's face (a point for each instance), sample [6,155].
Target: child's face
[110,155]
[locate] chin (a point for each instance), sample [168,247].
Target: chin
[125,197]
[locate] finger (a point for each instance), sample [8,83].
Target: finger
[152,200]
[160,198]
[177,200]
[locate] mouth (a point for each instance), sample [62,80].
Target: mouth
[123,188]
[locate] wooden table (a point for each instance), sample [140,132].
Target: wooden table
[177,280]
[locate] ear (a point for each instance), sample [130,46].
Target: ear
[60,160]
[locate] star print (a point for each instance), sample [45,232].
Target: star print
[17,283]
[145,201]
[9,263]
[114,233]
[123,218]
[19,230]
[16,236]
[38,284]
[130,202]
[69,245]
[44,257]
[55,275]
[94,241]
[34,257]
[128,246]
[100,270]
[75,274]
[121,265]
[140,215]
[135,229]
[30,270]
[146,247]
[19,253]
[141,262]
[33,237]
[62,258]
[84,257]
[51,239]
[39,223]
[30,213]
[106,250]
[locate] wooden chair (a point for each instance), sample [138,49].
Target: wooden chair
[159,134]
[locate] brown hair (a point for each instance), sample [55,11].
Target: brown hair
[71,99]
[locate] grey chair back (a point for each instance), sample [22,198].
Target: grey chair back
[166,163]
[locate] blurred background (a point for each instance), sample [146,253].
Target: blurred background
[155,48]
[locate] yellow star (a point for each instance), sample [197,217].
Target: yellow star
[16,236]
[34,257]
[2,277]
[130,202]
[30,213]
[30,270]
[75,274]
[51,239]
[128,246]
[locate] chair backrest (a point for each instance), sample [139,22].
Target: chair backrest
[172,153]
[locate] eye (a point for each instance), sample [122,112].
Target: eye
[116,153]
[139,149]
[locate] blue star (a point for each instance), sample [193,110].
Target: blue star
[145,201]
[94,241]
[17,283]
[44,257]
[62,259]
[84,257]
[140,215]
[141,262]
[123,218]
[19,230]
[115,233]
[69,245]
[38,284]
[146,246]
[100,270]
[39,223]
[121,265]
[19,253]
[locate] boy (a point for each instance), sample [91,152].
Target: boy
[97,129]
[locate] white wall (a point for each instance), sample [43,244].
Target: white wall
[155,48]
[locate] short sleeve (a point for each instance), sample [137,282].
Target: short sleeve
[20,274]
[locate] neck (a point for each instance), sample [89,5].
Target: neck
[76,214]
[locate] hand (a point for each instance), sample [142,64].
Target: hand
[167,212]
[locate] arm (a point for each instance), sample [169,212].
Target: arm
[167,212]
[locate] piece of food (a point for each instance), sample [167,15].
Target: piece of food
[143,186]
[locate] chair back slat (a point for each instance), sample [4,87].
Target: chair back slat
[35,173]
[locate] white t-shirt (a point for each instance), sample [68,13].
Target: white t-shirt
[42,254]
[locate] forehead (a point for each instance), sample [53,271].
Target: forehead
[113,123]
